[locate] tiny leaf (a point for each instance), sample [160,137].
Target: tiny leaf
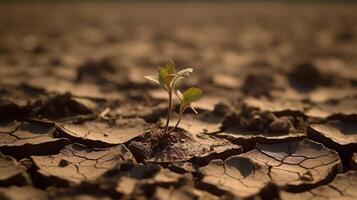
[191,94]
[162,75]
[153,79]
[170,67]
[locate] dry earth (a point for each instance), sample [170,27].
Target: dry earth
[277,119]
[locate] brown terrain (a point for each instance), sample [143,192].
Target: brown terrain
[277,119]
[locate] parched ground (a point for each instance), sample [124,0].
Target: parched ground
[278,118]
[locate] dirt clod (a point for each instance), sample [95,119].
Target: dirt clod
[281,125]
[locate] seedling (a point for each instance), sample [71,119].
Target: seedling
[167,78]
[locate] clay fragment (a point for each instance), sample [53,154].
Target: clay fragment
[29,138]
[304,163]
[11,172]
[133,180]
[338,134]
[77,163]
[341,109]
[237,175]
[292,166]
[277,105]
[204,122]
[121,131]
[342,187]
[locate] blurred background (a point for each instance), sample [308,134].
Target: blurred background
[247,46]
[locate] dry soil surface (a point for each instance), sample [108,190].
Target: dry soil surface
[278,118]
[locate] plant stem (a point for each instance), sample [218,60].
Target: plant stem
[178,121]
[169,112]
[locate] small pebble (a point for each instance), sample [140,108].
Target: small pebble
[63,163]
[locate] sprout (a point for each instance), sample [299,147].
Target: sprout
[190,95]
[167,78]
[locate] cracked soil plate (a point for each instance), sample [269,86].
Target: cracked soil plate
[335,109]
[338,133]
[276,106]
[344,186]
[119,132]
[292,166]
[237,175]
[28,138]
[298,164]
[239,136]
[77,163]
[11,172]
[200,123]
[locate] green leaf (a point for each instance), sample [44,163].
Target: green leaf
[168,77]
[191,94]
[170,67]
[162,76]
[165,78]
[153,79]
